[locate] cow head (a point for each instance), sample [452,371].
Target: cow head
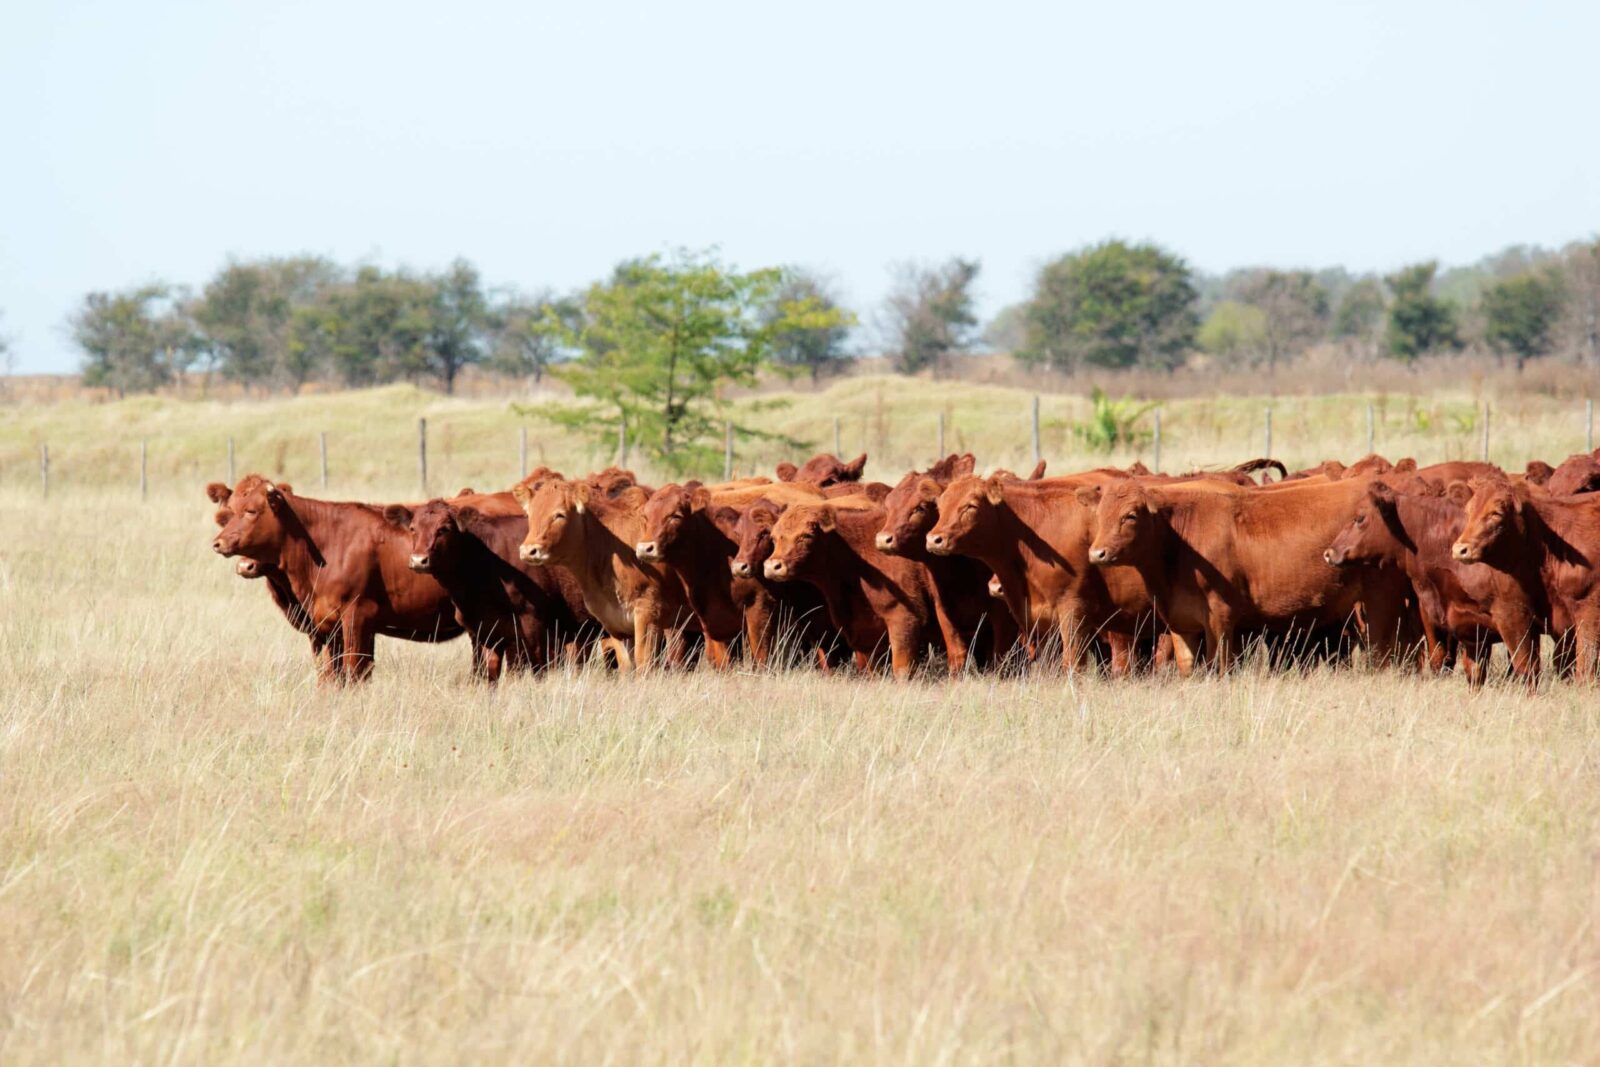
[436,529]
[555,510]
[753,532]
[823,470]
[1374,533]
[252,518]
[796,537]
[966,510]
[1493,520]
[1125,521]
[910,510]
[665,514]
[1577,474]
[1538,472]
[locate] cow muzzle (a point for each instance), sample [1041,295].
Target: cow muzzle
[534,554]
[420,562]
[885,541]
[1101,556]
[776,570]
[938,544]
[740,568]
[1463,552]
[221,547]
[648,550]
[248,568]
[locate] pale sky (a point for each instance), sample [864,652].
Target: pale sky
[545,142]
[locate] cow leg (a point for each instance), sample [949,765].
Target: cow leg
[360,642]
[1384,609]
[758,616]
[955,642]
[1184,648]
[719,654]
[1122,653]
[1587,651]
[493,663]
[1074,649]
[620,652]
[1521,636]
[904,641]
[646,641]
[1219,647]
[1473,655]
[327,652]
[1564,654]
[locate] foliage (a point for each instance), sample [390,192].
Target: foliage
[1419,322]
[133,341]
[458,320]
[526,334]
[662,341]
[1521,314]
[1359,314]
[1234,332]
[245,318]
[1112,423]
[931,315]
[811,328]
[375,328]
[1112,305]
[1294,310]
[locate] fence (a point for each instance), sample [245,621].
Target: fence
[1155,438]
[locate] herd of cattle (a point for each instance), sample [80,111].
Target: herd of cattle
[1430,565]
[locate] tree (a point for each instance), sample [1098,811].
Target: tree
[1419,322]
[1521,314]
[1112,305]
[246,315]
[1294,310]
[817,328]
[662,339]
[526,334]
[457,323]
[1359,315]
[930,314]
[1581,327]
[1234,332]
[136,340]
[375,328]
[1008,330]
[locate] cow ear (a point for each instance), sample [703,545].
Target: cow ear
[1138,470]
[928,489]
[1089,496]
[1405,466]
[218,493]
[582,493]
[725,519]
[1382,494]
[1459,493]
[1038,471]
[467,491]
[1538,471]
[275,494]
[853,469]
[825,520]
[397,515]
[284,488]
[520,494]
[223,516]
[994,488]
[699,497]
[964,466]
[786,471]
[466,516]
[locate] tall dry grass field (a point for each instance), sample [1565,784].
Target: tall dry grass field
[205,859]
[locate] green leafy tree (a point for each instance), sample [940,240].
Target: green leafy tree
[1112,305]
[930,315]
[1521,314]
[1234,332]
[137,340]
[375,328]
[662,340]
[1293,306]
[458,323]
[1359,315]
[1419,322]
[245,316]
[810,328]
[527,334]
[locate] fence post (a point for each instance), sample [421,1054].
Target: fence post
[1268,453]
[836,446]
[230,460]
[322,456]
[422,454]
[144,469]
[1588,425]
[939,453]
[522,452]
[727,451]
[1037,452]
[1486,431]
[622,441]
[1155,460]
[1370,448]
[44,468]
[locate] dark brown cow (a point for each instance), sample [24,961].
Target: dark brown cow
[517,618]
[590,528]
[1577,474]
[1218,560]
[682,529]
[1034,537]
[1411,526]
[880,602]
[823,470]
[1548,544]
[961,583]
[342,565]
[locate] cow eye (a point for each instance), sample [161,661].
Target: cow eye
[1361,520]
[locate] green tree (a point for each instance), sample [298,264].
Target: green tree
[662,340]
[810,328]
[375,328]
[1521,313]
[133,341]
[527,333]
[1359,315]
[458,322]
[930,315]
[1293,306]
[1112,305]
[246,314]
[1419,322]
[1234,332]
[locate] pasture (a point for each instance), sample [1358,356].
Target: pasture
[206,859]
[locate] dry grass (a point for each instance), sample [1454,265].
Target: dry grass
[204,859]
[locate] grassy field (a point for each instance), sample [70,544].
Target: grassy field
[204,859]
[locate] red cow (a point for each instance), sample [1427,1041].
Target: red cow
[823,470]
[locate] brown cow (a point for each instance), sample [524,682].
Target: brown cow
[516,617]
[1577,474]
[878,601]
[1034,537]
[823,470]
[1411,526]
[1217,560]
[342,565]
[1548,544]
[682,529]
[590,528]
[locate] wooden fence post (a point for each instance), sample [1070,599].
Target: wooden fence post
[1038,453]
[322,456]
[727,451]
[1371,448]
[422,454]
[1486,431]
[836,446]
[939,452]
[1588,425]
[522,452]
[622,441]
[144,469]
[230,462]
[1268,442]
[1155,460]
[44,468]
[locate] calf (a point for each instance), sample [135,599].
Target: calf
[516,617]
[1218,559]
[342,567]
[802,618]
[1467,605]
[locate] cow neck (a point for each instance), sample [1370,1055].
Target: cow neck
[1025,513]
[1549,529]
[472,558]
[703,571]
[843,574]
[300,556]
[1428,527]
